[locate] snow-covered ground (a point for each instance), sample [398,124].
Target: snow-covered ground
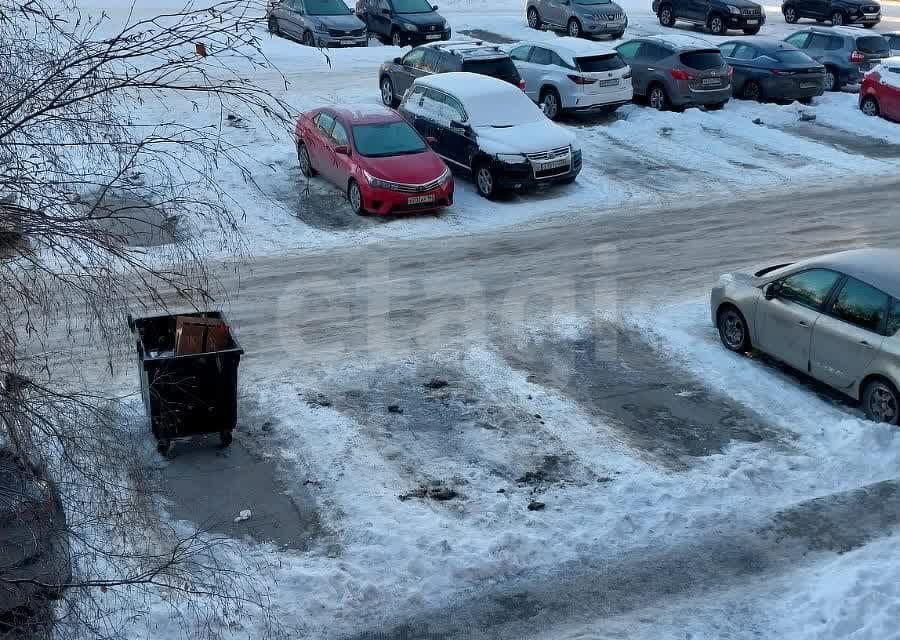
[519,423]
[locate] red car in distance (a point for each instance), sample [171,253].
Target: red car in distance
[880,91]
[372,154]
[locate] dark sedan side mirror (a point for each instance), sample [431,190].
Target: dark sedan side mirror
[434,7]
[772,290]
[459,127]
[342,150]
[398,60]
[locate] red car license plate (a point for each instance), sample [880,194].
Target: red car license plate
[420,199]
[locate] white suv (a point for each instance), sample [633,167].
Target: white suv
[569,74]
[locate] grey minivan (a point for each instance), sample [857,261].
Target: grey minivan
[579,18]
[835,317]
[674,71]
[317,23]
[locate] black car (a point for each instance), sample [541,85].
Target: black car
[838,12]
[402,22]
[769,69]
[491,131]
[397,75]
[716,15]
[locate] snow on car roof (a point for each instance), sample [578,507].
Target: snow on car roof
[487,101]
[463,84]
[877,267]
[845,30]
[575,47]
[359,113]
[680,41]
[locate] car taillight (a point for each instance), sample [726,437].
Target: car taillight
[857,58]
[522,85]
[678,74]
[581,79]
[627,75]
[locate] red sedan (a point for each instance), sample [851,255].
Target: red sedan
[880,91]
[381,163]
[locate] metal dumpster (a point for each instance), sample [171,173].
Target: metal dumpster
[187,392]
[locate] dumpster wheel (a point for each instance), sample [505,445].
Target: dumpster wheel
[225,437]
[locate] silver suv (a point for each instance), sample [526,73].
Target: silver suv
[579,18]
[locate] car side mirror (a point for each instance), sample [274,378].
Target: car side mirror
[772,290]
[342,150]
[431,140]
[398,60]
[434,7]
[458,127]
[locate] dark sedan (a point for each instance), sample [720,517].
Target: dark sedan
[769,69]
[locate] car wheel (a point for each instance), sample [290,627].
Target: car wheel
[666,17]
[306,167]
[752,91]
[396,38]
[534,18]
[870,107]
[574,28]
[387,93]
[717,25]
[657,98]
[831,79]
[880,402]
[790,14]
[837,18]
[484,181]
[733,330]
[551,104]
[273,26]
[354,196]
[308,39]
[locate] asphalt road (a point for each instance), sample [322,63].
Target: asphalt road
[319,307]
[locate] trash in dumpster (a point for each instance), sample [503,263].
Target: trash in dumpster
[189,365]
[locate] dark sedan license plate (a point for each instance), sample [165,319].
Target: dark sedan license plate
[420,199]
[709,82]
[809,85]
[556,164]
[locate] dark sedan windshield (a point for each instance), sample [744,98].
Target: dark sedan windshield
[793,57]
[386,139]
[412,6]
[327,8]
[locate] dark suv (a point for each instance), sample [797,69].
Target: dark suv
[397,75]
[864,12]
[402,22]
[716,15]
[847,52]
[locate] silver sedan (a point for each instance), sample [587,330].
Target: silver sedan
[834,317]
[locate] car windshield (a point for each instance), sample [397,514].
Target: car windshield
[606,62]
[384,139]
[873,44]
[702,60]
[502,68]
[327,8]
[412,6]
[793,57]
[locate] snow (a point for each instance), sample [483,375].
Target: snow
[576,47]
[532,137]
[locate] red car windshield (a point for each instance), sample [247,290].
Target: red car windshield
[384,139]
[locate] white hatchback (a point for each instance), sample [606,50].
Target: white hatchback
[571,74]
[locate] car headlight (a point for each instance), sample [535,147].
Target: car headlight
[734,10]
[512,158]
[410,27]
[377,183]
[445,177]
[319,27]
